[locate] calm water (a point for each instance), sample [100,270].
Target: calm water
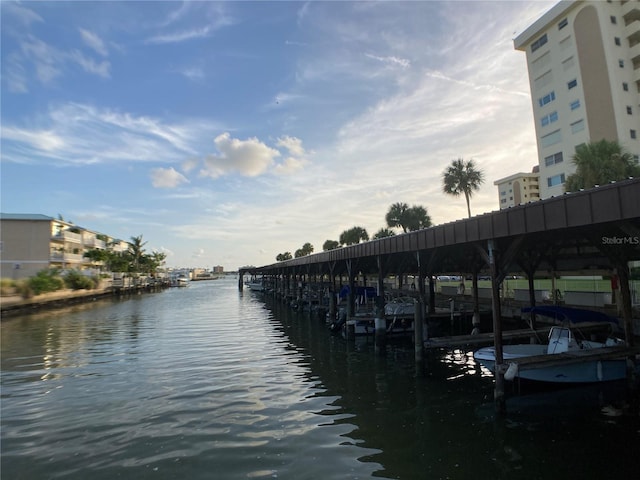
[210,383]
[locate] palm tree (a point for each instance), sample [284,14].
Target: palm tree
[384,233]
[281,257]
[330,245]
[307,249]
[396,216]
[462,177]
[417,218]
[353,236]
[598,163]
[136,251]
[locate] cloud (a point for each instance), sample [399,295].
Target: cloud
[247,157]
[393,61]
[78,134]
[91,66]
[178,37]
[214,14]
[167,178]
[94,42]
[24,15]
[294,145]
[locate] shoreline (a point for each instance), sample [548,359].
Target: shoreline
[14,305]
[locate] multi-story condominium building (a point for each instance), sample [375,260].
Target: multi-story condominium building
[32,242]
[518,188]
[584,74]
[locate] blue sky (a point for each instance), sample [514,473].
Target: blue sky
[226,133]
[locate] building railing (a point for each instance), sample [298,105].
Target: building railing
[94,243]
[67,237]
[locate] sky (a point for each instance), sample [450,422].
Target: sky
[226,133]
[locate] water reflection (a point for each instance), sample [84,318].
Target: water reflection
[206,381]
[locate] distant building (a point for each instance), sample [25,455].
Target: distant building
[33,242]
[584,73]
[218,269]
[518,188]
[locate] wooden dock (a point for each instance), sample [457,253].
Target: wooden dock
[483,338]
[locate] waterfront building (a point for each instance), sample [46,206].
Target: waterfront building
[583,59]
[33,242]
[518,188]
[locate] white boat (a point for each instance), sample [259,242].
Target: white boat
[180,280]
[400,306]
[256,285]
[562,339]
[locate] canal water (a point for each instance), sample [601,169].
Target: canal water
[207,382]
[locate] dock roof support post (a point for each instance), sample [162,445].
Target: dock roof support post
[418,319]
[498,394]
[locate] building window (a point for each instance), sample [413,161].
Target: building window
[548,98]
[575,104]
[577,126]
[553,159]
[563,23]
[625,86]
[633,134]
[547,119]
[503,194]
[504,200]
[551,139]
[572,83]
[621,63]
[555,180]
[538,43]
[617,41]
[629,111]
[613,19]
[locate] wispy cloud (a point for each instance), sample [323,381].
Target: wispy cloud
[22,14]
[393,61]
[214,13]
[77,134]
[94,42]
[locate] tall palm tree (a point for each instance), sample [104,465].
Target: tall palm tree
[396,216]
[462,177]
[417,218]
[136,250]
[353,236]
[598,163]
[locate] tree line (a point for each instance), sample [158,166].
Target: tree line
[133,260]
[597,163]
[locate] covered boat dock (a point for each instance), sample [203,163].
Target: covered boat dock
[592,232]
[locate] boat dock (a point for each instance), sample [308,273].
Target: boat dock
[587,233]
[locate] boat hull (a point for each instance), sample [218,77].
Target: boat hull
[585,372]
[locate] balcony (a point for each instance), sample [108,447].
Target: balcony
[630,11]
[66,236]
[94,243]
[64,257]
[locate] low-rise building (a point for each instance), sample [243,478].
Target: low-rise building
[33,242]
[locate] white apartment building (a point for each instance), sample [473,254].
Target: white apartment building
[33,242]
[518,188]
[584,73]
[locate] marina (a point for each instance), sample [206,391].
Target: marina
[584,233]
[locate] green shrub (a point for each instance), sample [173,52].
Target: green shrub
[44,281]
[7,286]
[76,281]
